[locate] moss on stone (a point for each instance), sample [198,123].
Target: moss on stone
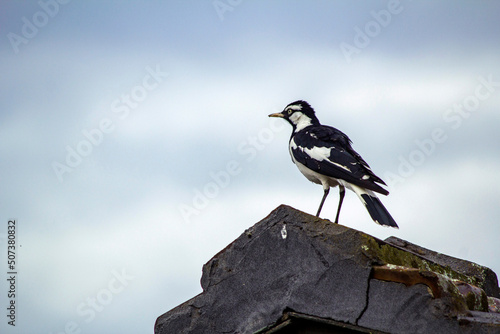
[386,254]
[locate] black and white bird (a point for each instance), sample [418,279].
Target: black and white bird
[325,156]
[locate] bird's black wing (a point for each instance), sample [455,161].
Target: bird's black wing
[328,151]
[330,134]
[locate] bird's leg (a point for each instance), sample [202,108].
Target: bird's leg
[327,190]
[341,198]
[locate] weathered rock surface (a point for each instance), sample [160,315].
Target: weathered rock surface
[481,276]
[294,265]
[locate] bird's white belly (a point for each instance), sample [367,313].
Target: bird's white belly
[315,177]
[311,175]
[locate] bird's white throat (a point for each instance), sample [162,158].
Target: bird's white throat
[300,120]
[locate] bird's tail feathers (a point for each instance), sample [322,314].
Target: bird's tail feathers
[375,207]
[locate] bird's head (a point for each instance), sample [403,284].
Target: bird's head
[299,114]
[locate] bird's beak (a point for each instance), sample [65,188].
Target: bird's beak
[278,114]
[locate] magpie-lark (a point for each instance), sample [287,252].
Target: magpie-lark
[325,156]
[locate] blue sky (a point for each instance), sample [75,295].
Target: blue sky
[136,144]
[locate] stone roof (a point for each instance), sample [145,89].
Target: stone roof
[292,270]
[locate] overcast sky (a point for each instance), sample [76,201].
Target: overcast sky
[136,144]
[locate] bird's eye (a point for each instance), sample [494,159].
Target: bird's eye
[289,111]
